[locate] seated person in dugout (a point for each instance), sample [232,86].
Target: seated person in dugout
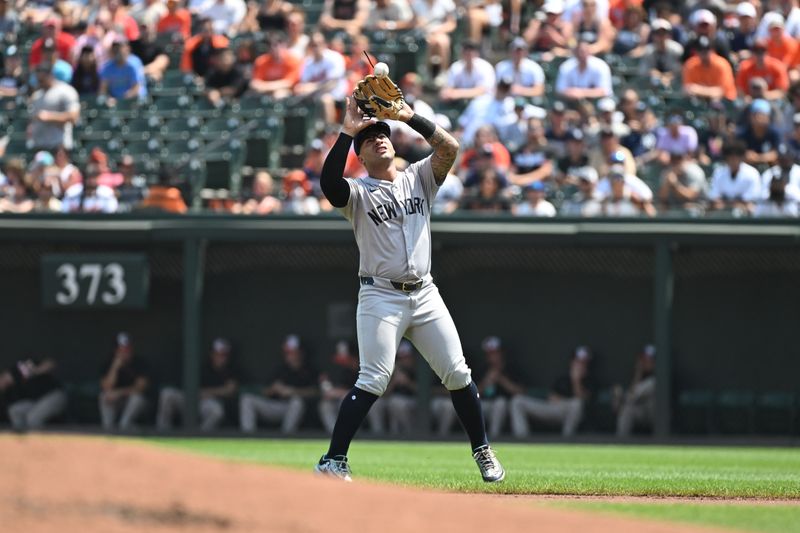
[123,385]
[32,394]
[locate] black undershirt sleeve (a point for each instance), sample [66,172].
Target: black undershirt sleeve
[422,125]
[334,186]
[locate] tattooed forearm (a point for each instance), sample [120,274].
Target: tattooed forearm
[445,149]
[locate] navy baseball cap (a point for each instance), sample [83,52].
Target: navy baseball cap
[372,130]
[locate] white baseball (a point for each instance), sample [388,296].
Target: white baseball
[381,70]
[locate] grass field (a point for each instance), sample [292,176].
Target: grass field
[598,470]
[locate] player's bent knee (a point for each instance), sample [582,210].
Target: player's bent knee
[374,384]
[457,379]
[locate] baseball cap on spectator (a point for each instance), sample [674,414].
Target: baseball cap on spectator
[505,82]
[491,344]
[575,134]
[617,158]
[661,25]
[746,9]
[43,159]
[582,353]
[675,118]
[123,339]
[553,6]
[649,350]
[119,40]
[292,342]
[48,45]
[703,43]
[760,106]
[404,350]
[586,174]
[535,186]
[51,23]
[606,105]
[221,345]
[317,145]
[558,107]
[775,20]
[704,16]
[796,119]
[486,150]
[12,51]
[519,44]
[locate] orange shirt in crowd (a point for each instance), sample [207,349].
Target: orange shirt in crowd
[783,49]
[774,73]
[616,10]
[502,158]
[180,21]
[265,67]
[217,41]
[165,198]
[718,73]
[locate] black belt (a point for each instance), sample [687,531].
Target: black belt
[405,286]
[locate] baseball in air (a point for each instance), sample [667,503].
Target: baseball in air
[381,70]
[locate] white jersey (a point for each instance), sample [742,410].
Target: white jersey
[392,222]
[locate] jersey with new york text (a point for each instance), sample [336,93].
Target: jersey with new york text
[392,222]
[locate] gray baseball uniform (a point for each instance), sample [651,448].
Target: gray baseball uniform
[398,298]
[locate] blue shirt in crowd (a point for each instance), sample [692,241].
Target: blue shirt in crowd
[121,78]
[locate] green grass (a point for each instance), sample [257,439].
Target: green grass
[738,517]
[543,469]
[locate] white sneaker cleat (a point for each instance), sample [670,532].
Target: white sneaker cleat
[335,467]
[491,469]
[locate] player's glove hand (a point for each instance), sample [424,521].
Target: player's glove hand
[379,97]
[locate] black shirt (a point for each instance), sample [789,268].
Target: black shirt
[148,51]
[217,79]
[128,373]
[212,378]
[563,386]
[770,141]
[342,376]
[31,388]
[300,378]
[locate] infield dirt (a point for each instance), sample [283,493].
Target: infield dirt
[65,484]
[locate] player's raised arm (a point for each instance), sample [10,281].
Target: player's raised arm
[445,146]
[332,182]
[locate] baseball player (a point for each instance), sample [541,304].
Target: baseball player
[390,214]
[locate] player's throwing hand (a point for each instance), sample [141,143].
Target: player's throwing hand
[355,120]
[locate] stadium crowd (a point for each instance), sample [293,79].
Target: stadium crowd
[300,394]
[562,107]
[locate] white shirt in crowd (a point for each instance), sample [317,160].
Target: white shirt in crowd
[791,25]
[102,201]
[541,209]
[225,14]
[792,186]
[633,183]
[596,74]
[331,67]
[486,109]
[481,75]
[430,14]
[529,74]
[745,186]
[573,7]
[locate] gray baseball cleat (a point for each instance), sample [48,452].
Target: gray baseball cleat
[491,469]
[335,467]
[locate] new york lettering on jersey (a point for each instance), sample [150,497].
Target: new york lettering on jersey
[388,211]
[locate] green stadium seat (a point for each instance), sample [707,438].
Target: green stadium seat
[172,106]
[144,126]
[183,127]
[202,107]
[261,150]
[103,127]
[221,126]
[17,148]
[151,147]
[297,126]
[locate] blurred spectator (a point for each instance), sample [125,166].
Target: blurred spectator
[9,22]
[17,196]
[86,78]
[122,20]
[496,385]
[226,15]
[107,176]
[46,199]
[62,70]
[218,386]
[122,77]
[584,202]
[358,67]
[51,29]
[707,74]
[761,138]
[548,32]
[593,28]
[344,15]
[261,200]
[147,13]
[743,37]
[269,16]
[683,184]
[177,20]
[662,59]
[734,184]
[389,15]
[633,36]
[781,186]
[760,65]
[704,26]
[437,20]
[469,77]
[400,395]
[531,163]
[323,76]
[153,56]
[527,75]
[32,393]
[283,400]
[584,75]
[793,138]
[574,8]
[12,78]
[675,138]
[89,196]
[224,80]
[296,38]
[534,203]
[780,45]
[165,196]
[558,131]
[786,9]
[639,403]
[611,152]
[483,14]
[565,403]
[489,197]
[54,109]
[486,145]
[335,384]
[96,37]
[495,109]
[122,386]
[133,189]
[449,196]
[711,136]
[575,156]
[276,72]
[618,197]
[297,190]
[198,49]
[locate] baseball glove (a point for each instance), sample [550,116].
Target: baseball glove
[379,97]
